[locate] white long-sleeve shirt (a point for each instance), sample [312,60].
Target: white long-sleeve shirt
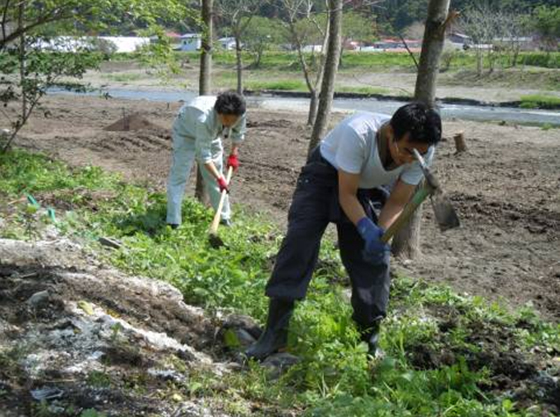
[197,120]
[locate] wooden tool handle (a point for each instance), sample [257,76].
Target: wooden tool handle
[410,208]
[218,215]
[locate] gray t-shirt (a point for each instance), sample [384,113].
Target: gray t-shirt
[352,147]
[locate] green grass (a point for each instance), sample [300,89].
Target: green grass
[351,60]
[540,102]
[439,344]
[124,77]
[362,90]
[280,85]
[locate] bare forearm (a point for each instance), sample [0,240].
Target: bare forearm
[400,196]
[352,207]
[389,214]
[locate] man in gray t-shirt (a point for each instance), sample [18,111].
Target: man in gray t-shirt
[345,181]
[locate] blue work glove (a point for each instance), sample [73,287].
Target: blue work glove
[375,250]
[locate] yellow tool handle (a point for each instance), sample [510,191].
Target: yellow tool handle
[218,215]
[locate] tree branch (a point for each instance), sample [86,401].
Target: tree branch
[409,52]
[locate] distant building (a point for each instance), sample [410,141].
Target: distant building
[312,48]
[524,43]
[174,39]
[228,43]
[394,45]
[126,43]
[459,38]
[351,45]
[75,44]
[190,42]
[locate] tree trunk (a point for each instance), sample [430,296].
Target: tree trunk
[479,62]
[330,69]
[407,242]
[22,60]
[432,47]
[460,144]
[313,107]
[206,50]
[239,65]
[205,81]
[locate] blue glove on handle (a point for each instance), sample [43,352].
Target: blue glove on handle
[374,250]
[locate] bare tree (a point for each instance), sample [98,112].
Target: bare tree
[300,22]
[483,23]
[407,242]
[22,57]
[205,76]
[331,68]
[237,14]
[206,49]
[511,29]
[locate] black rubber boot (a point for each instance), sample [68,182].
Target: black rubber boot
[275,336]
[370,335]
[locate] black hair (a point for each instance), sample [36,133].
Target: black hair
[230,103]
[423,123]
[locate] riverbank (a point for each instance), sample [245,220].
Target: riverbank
[536,102]
[507,87]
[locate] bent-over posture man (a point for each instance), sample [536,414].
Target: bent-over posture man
[197,132]
[344,182]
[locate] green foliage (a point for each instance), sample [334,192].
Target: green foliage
[284,85]
[362,90]
[90,412]
[396,15]
[30,72]
[21,172]
[540,59]
[546,21]
[98,379]
[288,62]
[540,101]
[261,35]
[357,27]
[41,56]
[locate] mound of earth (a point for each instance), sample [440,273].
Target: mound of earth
[79,336]
[132,122]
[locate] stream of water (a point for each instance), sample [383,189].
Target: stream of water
[271,102]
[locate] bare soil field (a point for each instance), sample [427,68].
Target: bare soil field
[505,188]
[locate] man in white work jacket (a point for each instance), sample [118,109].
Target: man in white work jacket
[197,134]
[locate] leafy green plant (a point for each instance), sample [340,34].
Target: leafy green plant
[98,379]
[90,412]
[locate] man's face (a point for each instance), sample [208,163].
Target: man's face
[402,149]
[228,120]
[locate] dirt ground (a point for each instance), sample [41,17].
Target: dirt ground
[506,188]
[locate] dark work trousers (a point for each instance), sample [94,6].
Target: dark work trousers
[315,204]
